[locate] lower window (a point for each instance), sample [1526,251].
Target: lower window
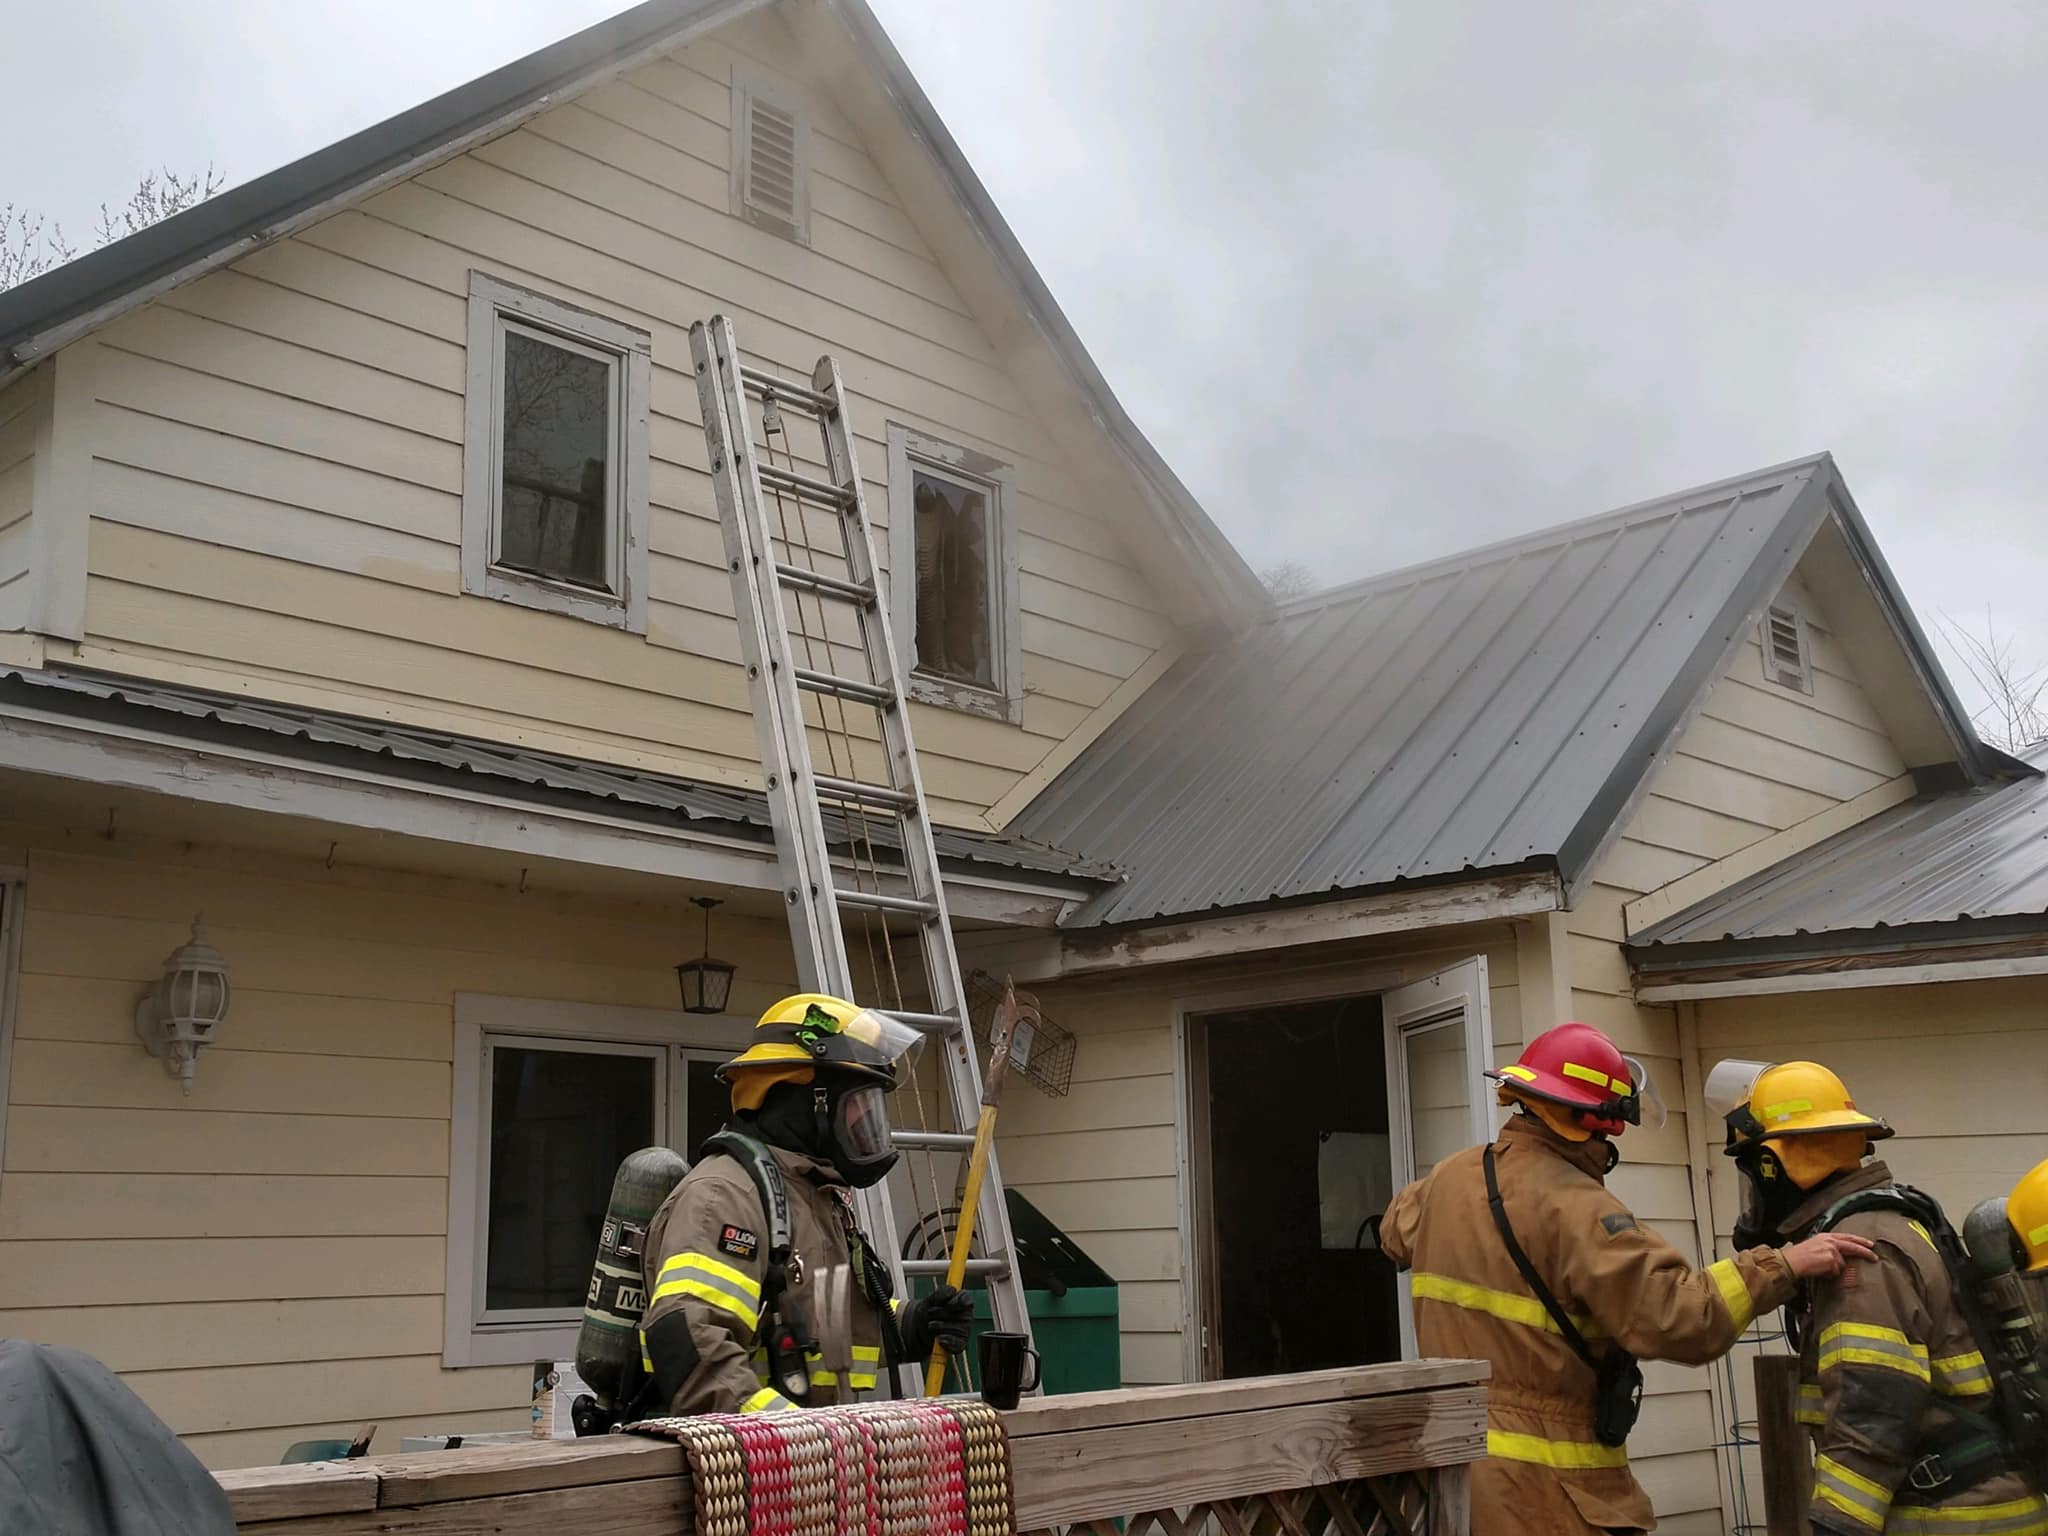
[542,1124]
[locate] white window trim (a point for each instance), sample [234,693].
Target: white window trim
[633,351]
[748,84]
[909,447]
[466,1340]
[13,912]
[1802,682]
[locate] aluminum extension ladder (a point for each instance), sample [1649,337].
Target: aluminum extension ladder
[816,895]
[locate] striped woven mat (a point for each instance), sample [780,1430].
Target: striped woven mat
[939,1467]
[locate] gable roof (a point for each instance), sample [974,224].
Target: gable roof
[70,301]
[1499,709]
[1974,856]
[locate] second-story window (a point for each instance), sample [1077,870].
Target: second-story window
[953,573]
[554,486]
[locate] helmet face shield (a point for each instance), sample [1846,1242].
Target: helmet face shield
[1729,1085]
[1647,1104]
[893,1042]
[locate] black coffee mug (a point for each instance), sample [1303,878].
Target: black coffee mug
[1002,1368]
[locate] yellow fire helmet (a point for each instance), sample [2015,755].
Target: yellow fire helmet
[2026,1208]
[1762,1102]
[799,1034]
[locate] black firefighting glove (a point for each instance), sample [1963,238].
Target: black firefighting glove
[940,1318]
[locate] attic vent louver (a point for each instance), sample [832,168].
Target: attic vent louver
[1786,659]
[770,160]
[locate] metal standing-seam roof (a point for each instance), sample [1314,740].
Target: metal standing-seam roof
[1489,711]
[403,752]
[1974,854]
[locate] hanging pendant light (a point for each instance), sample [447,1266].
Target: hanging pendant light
[706,983]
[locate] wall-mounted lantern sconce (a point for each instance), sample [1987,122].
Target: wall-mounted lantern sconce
[182,1013]
[706,983]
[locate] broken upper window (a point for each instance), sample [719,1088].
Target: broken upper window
[955,589]
[555,457]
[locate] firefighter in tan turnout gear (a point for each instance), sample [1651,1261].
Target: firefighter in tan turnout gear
[734,1324]
[1521,1257]
[1895,1388]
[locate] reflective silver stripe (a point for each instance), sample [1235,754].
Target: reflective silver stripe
[1966,1375]
[1852,1493]
[2014,1517]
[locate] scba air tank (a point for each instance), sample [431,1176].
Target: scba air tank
[608,1347]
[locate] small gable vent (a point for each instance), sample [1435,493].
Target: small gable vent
[1786,658]
[770,160]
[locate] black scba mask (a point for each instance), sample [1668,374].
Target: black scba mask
[854,1126]
[1768,1197]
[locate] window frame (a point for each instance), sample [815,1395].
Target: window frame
[494,307]
[471,1336]
[13,920]
[910,450]
[748,84]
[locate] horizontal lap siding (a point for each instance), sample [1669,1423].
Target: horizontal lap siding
[265,1260]
[24,407]
[1757,759]
[1103,1162]
[278,454]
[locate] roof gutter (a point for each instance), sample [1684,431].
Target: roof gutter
[1958,950]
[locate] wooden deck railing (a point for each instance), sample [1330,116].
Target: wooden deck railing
[1375,1451]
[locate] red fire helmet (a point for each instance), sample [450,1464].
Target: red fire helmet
[1579,1067]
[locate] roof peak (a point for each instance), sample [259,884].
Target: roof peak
[1552,534]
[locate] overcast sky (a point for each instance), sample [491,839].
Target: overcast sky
[1380,280]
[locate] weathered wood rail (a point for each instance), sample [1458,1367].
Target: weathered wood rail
[1373,1451]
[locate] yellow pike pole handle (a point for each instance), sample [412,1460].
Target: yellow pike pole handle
[1000,1032]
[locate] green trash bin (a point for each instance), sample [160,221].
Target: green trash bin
[1072,1302]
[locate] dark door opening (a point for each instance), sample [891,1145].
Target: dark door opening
[1297,1159]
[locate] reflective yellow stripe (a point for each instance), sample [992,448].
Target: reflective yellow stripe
[1599,1079]
[1812,1405]
[704,1264]
[1869,1344]
[2014,1517]
[824,1378]
[860,1380]
[1965,1375]
[1526,1310]
[707,1291]
[1852,1493]
[1734,1293]
[2038,1236]
[646,1364]
[1523,1073]
[1788,1108]
[1925,1236]
[1565,1455]
[767,1400]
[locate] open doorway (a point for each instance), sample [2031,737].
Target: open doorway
[1298,1159]
[1303,1119]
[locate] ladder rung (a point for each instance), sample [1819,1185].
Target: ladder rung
[798,394]
[803,485]
[844,687]
[875,901]
[935,1141]
[930,1023]
[867,794]
[940,1266]
[817,581]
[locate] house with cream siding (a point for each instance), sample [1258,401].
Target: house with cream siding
[362,598]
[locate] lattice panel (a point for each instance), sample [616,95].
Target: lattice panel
[1396,1505]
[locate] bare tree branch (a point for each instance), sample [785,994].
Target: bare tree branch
[1290,578]
[31,245]
[2015,714]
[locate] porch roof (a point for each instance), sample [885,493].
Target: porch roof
[404,754]
[1969,857]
